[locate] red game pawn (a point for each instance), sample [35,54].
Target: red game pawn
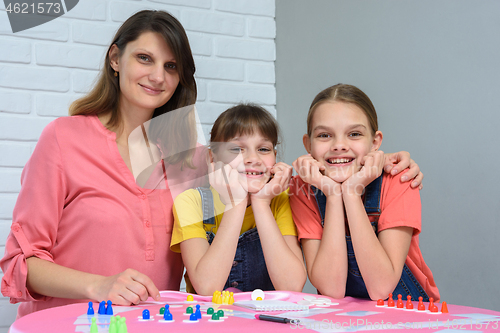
[380,302]
[409,304]
[444,308]
[421,306]
[400,304]
[431,303]
[390,301]
[434,309]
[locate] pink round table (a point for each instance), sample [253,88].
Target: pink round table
[349,315]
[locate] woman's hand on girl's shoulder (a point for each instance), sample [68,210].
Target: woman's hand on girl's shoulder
[279,183]
[397,162]
[225,180]
[372,167]
[310,171]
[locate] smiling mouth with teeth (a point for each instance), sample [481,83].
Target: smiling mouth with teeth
[339,160]
[253,173]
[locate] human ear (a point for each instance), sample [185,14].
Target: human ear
[377,141]
[307,143]
[114,56]
[210,156]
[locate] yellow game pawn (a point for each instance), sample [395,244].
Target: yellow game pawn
[226,299]
[190,298]
[231,298]
[219,299]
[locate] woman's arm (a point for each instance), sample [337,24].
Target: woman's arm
[126,288]
[395,163]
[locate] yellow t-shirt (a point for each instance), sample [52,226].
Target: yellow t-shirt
[188,217]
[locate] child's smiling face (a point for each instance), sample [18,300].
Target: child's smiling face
[341,136]
[253,156]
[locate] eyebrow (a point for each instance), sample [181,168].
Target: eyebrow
[152,54]
[322,127]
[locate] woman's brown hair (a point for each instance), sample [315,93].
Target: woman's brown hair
[105,95]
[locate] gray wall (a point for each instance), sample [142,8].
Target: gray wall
[432,70]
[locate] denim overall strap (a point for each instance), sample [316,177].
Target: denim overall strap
[249,271]
[355,286]
[207,203]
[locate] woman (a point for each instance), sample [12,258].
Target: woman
[82,227]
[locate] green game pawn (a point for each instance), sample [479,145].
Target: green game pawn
[215,316]
[210,311]
[112,325]
[220,313]
[93,326]
[189,309]
[123,326]
[162,310]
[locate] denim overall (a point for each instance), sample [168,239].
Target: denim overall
[355,287]
[249,271]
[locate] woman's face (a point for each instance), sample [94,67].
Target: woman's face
[147,73]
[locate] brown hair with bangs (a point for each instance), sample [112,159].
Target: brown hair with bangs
[244,119]
[347,94]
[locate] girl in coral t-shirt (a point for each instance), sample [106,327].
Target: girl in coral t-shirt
[358,228]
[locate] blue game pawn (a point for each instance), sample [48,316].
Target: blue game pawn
[198,311]
[193,317]
[167,316]
[109,309]
[102,308]
[90,311]
[145,314]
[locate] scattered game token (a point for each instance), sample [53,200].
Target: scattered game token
[309,298]
[258,293]
[189,310]
[380,302]
[190,298]
[215,318]
[304,302]
[192,319]
[444,308]
[90,311]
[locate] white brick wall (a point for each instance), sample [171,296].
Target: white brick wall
[44,68]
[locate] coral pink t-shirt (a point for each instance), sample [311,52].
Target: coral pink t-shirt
[80,207]
[400,206]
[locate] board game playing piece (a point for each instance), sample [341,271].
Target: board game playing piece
[109,309]
[123,325]
[215,316]
[146,315]
[190,298]
[198,312]
[102,308]
[421,306]
[256,294]
[231,298]
[380,302]
[167,316]
[220,313]
[162,310]
[90,311]
[390,301]
[193,317]
[399,303]
[112,325]
[210,311]
[93,326]
[189,310]
[409,304]
[431,303]
[444,308]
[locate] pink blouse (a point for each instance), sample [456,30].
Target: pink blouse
[80,207]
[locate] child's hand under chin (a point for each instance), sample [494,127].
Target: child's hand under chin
[281,174]
[225,180]
[312,172]
[372,166]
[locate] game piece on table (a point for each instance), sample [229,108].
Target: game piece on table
[390,301]
[112,325]
[214,296]
[220,313]
[117,323]
[93,326]
[380,302]
[167,316]
[258,295]
[189,310]
[231,298]
[193,317]
[90,311]
[109,309]
[146,315]
[400,304]
[162,311]
[102,308]
[421,306]
[198,312]
[190,298]
[431,303]
[210,311]
[215,316]
[409,304]
[123,326]
[444,308]
[434,309]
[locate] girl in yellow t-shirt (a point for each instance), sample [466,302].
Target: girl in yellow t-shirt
[240,233]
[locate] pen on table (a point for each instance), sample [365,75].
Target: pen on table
[277,319]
